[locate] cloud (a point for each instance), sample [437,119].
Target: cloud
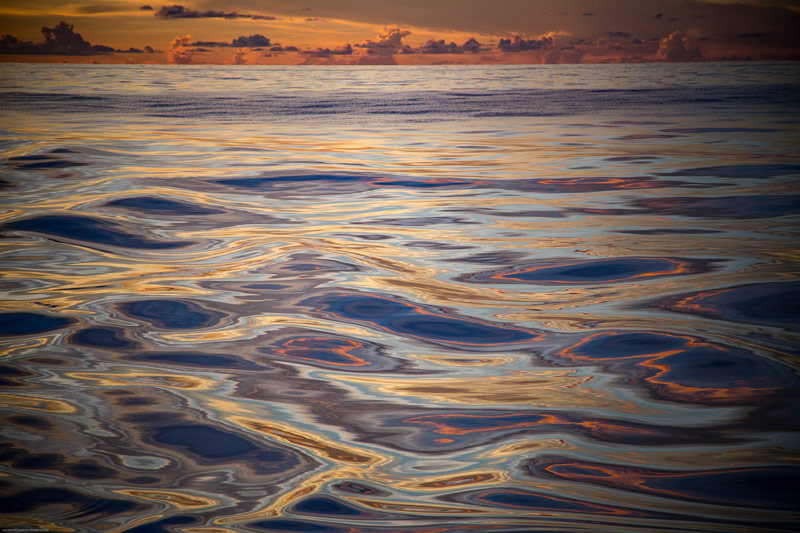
[146,8]
[58,40]
[677,47]
[345,50]
[279,48]
[622,34]
[588,14]
[389,41]
[253,40]
[179,52]
[181,12]
[658,16]
[440,47]
[239,57]
[520,44]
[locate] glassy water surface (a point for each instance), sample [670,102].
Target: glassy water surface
[401,299]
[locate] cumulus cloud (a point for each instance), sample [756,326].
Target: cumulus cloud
[520,44]
[58,40]
[252,40]
[677,47]
[390,41]
[146,8]
[280,48]
[440,47]
[181,12]
[179,51]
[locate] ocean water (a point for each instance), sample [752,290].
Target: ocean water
[400,299]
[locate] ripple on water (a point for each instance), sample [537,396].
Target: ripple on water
[92,230]
[417,321]
[156,205]
[592,271]
[768,304]
[171,314]
[763,487]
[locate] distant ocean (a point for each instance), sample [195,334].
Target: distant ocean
[400,299]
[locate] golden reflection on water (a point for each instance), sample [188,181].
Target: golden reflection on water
[386,324]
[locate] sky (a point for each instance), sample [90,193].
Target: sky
[398,32]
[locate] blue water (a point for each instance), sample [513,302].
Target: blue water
[400,299]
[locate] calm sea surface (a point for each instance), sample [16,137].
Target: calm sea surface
[400,299]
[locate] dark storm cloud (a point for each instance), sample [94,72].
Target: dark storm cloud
[181,12]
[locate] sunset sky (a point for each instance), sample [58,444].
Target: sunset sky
[400,32]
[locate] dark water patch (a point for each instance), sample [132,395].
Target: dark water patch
[359,488]
[366,236]
[162,206]
[171,314]
[586,184]
[5,184]
[329,507]
[279,524]
[768,304]
[645,136]
[38,461]
[197,360]
[416,221]
[31,421]
[160,526]
[721,130]
[42,161]
[684,368]
[761,487]
[101,337]
[510,214]
[153,417]
[667,231]
[632,158]
[54,499]
[206,441]
[13,376]
[437,245]
[527,500]
[592,271]
[739,171]
[89,470]
[134,401]
[417,321]
[93,230]
[142,480]
[724,207]
[25,323]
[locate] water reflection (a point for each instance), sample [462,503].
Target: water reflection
[526,306]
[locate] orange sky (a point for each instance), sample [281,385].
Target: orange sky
[406,32]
